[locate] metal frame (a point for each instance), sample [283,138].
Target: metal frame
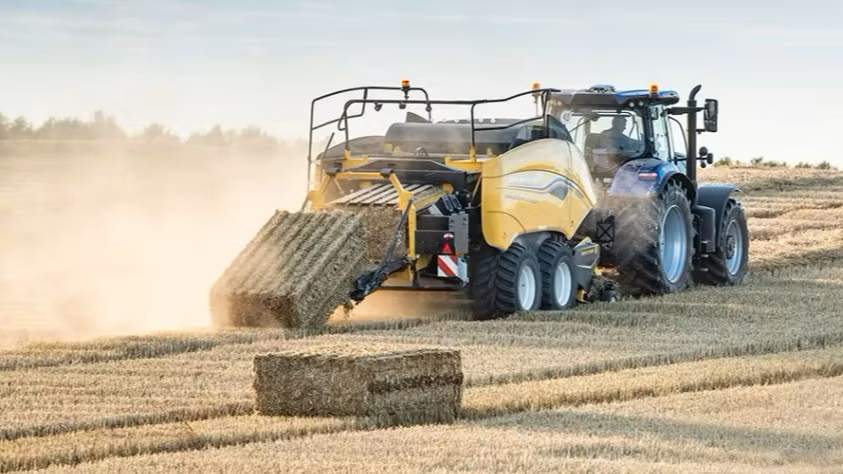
[543,93]
[365,90]
[342,120]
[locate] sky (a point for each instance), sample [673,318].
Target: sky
[776,67]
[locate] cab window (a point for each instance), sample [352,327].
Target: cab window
[661,140]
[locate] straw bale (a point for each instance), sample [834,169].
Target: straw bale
[381,220]
[406,386]
[294,273]
[379,224]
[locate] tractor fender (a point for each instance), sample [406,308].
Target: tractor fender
[716,196]
[648,176]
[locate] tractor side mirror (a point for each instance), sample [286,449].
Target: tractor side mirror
[706,158]
[710,115]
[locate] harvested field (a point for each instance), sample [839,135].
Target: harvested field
[386,384]
[53,353]
[100,443]
[665,435]
[809,406]
[757,318]
[480,402]
[794,215]
[648,382]
[743,379]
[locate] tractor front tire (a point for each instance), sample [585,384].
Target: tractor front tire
[654,243]
[728,264]
[503,283]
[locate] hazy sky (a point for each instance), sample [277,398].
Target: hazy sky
[777,67]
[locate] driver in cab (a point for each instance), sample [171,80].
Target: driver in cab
[617,139]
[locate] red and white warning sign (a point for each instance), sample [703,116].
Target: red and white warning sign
[452,266]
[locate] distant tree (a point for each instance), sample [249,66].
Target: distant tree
[725,161]
[825,166]
[756,161]
[775,164]
[102,126]
[803,164]
[4,127]
[215,137]
[20,129]
[157,134]
[106,127]
[64,129]
[254,139]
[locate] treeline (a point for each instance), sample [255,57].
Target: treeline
[105,128]
[760,162]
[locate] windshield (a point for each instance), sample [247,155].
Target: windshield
[618,133]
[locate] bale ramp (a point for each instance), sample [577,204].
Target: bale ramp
[294,273]
[387,387]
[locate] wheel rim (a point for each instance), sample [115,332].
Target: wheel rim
[734,248]
[526,287]
[562,283]
[673,243]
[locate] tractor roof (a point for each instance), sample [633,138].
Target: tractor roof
[607,96]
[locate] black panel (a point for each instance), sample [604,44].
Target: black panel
[715,196]
[449,138]
[429,241]
[584,263]
[430,222]
[708,227]
[370,145]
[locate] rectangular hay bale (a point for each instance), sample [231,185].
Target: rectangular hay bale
[419,385]
[295,272]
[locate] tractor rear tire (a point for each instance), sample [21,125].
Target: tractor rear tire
[654,244]
[727,265]
[559,283]
[502,283]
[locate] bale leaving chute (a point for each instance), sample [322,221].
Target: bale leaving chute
[295,272]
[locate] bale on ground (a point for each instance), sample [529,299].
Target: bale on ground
[397,386]
[294,273]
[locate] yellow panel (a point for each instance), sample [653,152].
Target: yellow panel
[534,188]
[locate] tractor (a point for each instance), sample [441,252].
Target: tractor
[671,232]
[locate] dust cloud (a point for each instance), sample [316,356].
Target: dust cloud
[116,243]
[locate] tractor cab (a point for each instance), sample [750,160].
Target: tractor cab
[614,127]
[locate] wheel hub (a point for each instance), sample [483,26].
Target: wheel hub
[733,247]
[673,244]
[526,287]
[730,246]
[562,284]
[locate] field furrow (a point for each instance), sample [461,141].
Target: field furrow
[187,435]
[46,353]
[640,387]
[653,382]
[618,437]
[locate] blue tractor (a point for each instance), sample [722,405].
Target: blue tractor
[660,230]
